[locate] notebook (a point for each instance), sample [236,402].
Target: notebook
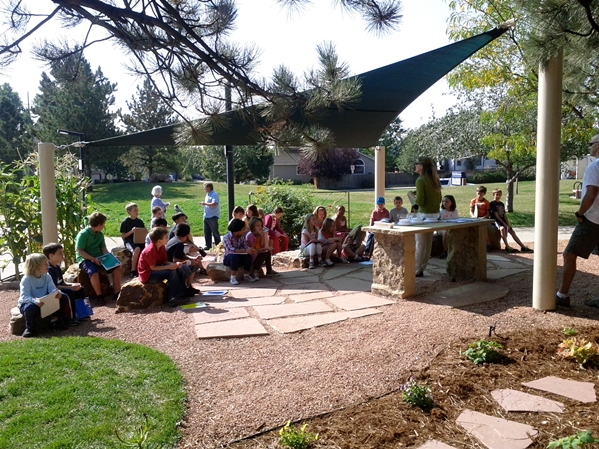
[108,261]
[51,304]
[197,305]
[139,235]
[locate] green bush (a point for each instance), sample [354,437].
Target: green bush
[295,438]
[296,204]
[417,395]
[483,351]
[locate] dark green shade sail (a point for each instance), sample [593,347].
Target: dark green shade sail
[386,92]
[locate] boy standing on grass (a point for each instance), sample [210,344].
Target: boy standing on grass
[55,254]
[128,227]
[90,245]
[497,210]
[154,267]
[211,215]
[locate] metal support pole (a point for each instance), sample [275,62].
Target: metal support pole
[547,197]
[48,192]
[379,172]
[229,161]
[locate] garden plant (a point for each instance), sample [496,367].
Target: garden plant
[483,351]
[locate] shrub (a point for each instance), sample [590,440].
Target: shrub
[569,331]
[291,436]
[574,441]
[579,349]
[417,395]
[483,351]
[296,205]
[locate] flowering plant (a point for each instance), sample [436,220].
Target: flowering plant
[417,395]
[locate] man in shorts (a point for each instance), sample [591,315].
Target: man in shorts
[585,237]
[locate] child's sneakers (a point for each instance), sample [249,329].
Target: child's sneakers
[234,281]
[249,278]
[343,260]
[311,265]
[322,263]
[329,262]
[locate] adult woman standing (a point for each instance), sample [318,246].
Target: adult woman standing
[428,198]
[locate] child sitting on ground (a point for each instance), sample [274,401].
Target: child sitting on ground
[497,209]
[310,246]
[237,252]
[448,211]
[54,252]
[352,245]
[154,267]
[36,284]
[330,242]
[398,212]
[341,229]
[90,245]
[258,240]
[157,200]
[128,227]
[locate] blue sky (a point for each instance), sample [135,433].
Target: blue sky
[291,40]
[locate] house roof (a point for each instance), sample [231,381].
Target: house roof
[386,92]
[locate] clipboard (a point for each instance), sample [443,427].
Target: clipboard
[108,261]
[51,304]
[139,236]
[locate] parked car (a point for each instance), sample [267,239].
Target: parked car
[197,177]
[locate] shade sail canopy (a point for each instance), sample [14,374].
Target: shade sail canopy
[386,92]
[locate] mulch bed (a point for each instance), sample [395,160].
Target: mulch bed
[458,384]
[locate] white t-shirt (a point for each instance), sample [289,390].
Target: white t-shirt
[591,178]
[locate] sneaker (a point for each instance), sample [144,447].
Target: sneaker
[525,249]
[177,302]
[443,255]
[272,273]
[190,291]
[509,249]
[311,265]
[60,325]
[592,302]
[329,262]
[256,277]
[419,274]
[74,323]
[27,334]
[322,263]
[343,260]
[249,278]
[358,258]
[234,281]
[133,275]
[202,252]
[100,302]
[564,302]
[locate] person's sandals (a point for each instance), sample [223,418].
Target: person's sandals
[525,249]
[564,302]
[509,249]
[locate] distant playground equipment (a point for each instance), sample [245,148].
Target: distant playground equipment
[577,190]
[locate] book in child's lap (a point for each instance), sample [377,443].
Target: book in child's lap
[108,261]
[139,235]
[51,304]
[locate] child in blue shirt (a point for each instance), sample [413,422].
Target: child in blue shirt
[36,284]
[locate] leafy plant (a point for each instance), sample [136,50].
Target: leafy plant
[574,441]
[291,436]
[483,351]
[417,395]
[296,204]
[570,331]
[580,350]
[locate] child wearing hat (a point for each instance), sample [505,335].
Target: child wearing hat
[379,213]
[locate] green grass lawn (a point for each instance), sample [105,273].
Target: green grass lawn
[75,392]
[112,198]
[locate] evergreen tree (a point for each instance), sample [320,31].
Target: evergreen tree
[14,120]
[147,110]
[74,98]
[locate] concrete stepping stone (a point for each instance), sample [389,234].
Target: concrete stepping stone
[497,433]
[364,275]
[359,301]
[311,296]
[255,292]
[245,327]
[300,323]
[304,308]
[342,270]
[312,287]
[298,280]
[518,401]
[468,294]
[497,257]
[349,284]
[211,315]
[434,444]
[504,272]
[294,274]
[229,303]
[573,389]
[509,264]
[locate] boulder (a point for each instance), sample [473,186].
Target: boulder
[220,273]
[16,326]
[494,237]
[135,295]
[290,259]
[124,257]
[75,274]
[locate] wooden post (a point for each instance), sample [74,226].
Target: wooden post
[48,195]
[379,172]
